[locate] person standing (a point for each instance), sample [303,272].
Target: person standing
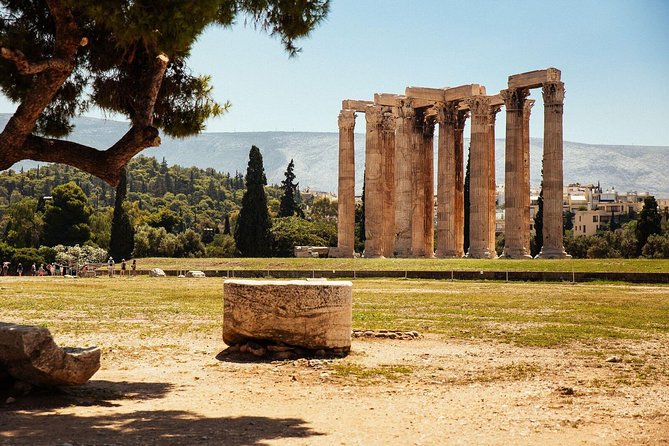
[19,269]
[134,266]
[33,270]
[110,267]
[123,270]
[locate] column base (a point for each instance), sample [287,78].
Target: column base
[449,255]
[515,254]
[553,253]
[481,254]
[342,253]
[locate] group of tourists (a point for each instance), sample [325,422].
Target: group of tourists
[124,268]
[50,269]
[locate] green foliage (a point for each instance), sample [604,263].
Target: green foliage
[123,39]
[77,256]
[621,242]
[66,219]
[22,224]
[289,206]
[252,233]
[289,232]
[568,221]
[223,245]
[656,247]
[322,208]
[649,222]
[122,234]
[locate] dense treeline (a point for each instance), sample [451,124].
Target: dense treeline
[173,210]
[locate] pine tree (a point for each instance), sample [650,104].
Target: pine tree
[252,234]
[122,241]
[467,202]
[288,206]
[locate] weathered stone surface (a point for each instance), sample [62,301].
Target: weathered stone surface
[157,272]
[29,354]
[310,314]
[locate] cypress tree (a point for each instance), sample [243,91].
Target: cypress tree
[252,234]
[226,225]
[122,240]
[539,222]
[650,222]
[288,206]
[467,202]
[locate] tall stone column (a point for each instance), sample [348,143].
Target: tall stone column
[459,208]
[388,153]
[553,93]
[492,184]
[514,228]
[527,202]
[373,183]
[346,187]
[479,221]
[405,116]
[428,185]
[418,154]
[447,242]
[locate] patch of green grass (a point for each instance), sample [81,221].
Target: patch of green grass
[576,265]
[511,372]
[535,314]
[389,372]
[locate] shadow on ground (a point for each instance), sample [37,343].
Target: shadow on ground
[33,420]
[147,428]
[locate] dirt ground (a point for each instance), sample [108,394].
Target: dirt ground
[431,391]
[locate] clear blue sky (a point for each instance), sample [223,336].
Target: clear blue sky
[614,57]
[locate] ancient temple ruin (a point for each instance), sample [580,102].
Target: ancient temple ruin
[399,172]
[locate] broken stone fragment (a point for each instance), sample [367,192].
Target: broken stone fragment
[29,354]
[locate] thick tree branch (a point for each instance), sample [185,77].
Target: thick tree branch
[28,68]
[147,104]
[105,164]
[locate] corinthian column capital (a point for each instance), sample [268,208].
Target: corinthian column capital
[553,93]
[447,113]
[346,120]
[514,98]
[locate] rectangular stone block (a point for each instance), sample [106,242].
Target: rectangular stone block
[534,79]
[387,99]
[303,313]
[355,105]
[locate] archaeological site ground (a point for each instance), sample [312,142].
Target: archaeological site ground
[495,363]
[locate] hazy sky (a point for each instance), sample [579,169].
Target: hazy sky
[614,57]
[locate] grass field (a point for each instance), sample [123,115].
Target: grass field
[519,313]
[576,265]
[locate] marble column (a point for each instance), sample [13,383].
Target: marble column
[405,117]
[447,241]
[527,202]
[418,154]
[479,220]
[373,183]
[346,187]
[553,93]
[492,183]
[428,185]
[388,153]
[459,208]
[514,177]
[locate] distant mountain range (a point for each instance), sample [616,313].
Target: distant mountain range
[626,168]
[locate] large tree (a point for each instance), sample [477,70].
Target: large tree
[58,58]
[252,233]
[288,206]
[66,219]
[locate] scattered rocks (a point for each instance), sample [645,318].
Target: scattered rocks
[280,351]
[613,359]
[29,354]
[387,334]
[567,391]
[157,272]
